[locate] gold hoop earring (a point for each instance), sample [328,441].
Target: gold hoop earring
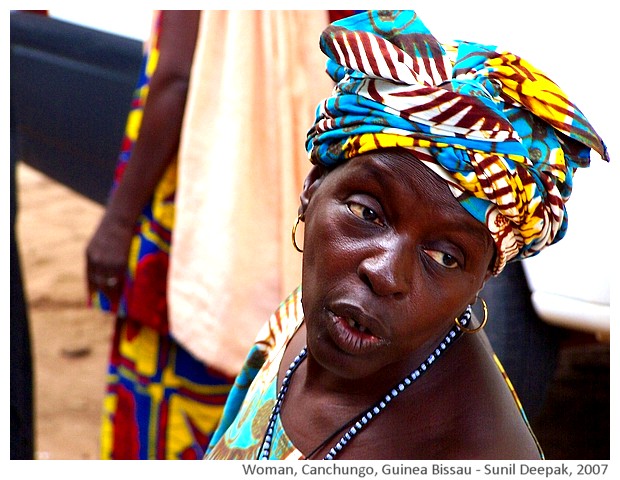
[484,320]
[299,217]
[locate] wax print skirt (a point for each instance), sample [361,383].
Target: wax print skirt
[160,401]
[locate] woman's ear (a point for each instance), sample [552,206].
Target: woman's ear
[488,275]
[311,183]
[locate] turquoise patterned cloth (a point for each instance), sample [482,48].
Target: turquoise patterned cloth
[240,433]
[500,131]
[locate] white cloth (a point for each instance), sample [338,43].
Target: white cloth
[256,80]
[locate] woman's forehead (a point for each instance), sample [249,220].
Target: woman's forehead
[408,185]
[396,166]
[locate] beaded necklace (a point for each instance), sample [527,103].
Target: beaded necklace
[359,421]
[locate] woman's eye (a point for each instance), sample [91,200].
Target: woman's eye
[365,213]
[442,258]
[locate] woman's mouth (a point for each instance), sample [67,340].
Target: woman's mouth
[353,324]
[353,335]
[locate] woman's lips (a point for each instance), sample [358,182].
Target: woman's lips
[353,334]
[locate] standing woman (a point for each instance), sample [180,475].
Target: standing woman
[160,401]
[434,165]
[175,255]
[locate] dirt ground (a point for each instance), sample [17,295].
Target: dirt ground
[70,341]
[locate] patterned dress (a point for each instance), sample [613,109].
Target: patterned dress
[240,435]
[161,402]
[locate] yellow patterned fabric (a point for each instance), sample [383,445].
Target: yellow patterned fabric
[160,403]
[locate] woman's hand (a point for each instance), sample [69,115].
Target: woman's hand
[155,148]
[106,257]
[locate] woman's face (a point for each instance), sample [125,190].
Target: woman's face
[390,259]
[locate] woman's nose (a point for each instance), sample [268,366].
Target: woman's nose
[387,270]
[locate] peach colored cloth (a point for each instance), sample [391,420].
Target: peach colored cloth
[256,81]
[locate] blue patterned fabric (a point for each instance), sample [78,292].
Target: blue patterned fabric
[500,131]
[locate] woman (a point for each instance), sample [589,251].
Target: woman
[161,402]
[181,333]
[435,165]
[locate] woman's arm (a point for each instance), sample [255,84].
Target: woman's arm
[155,147]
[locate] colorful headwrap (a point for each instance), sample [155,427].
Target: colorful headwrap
[502,134]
